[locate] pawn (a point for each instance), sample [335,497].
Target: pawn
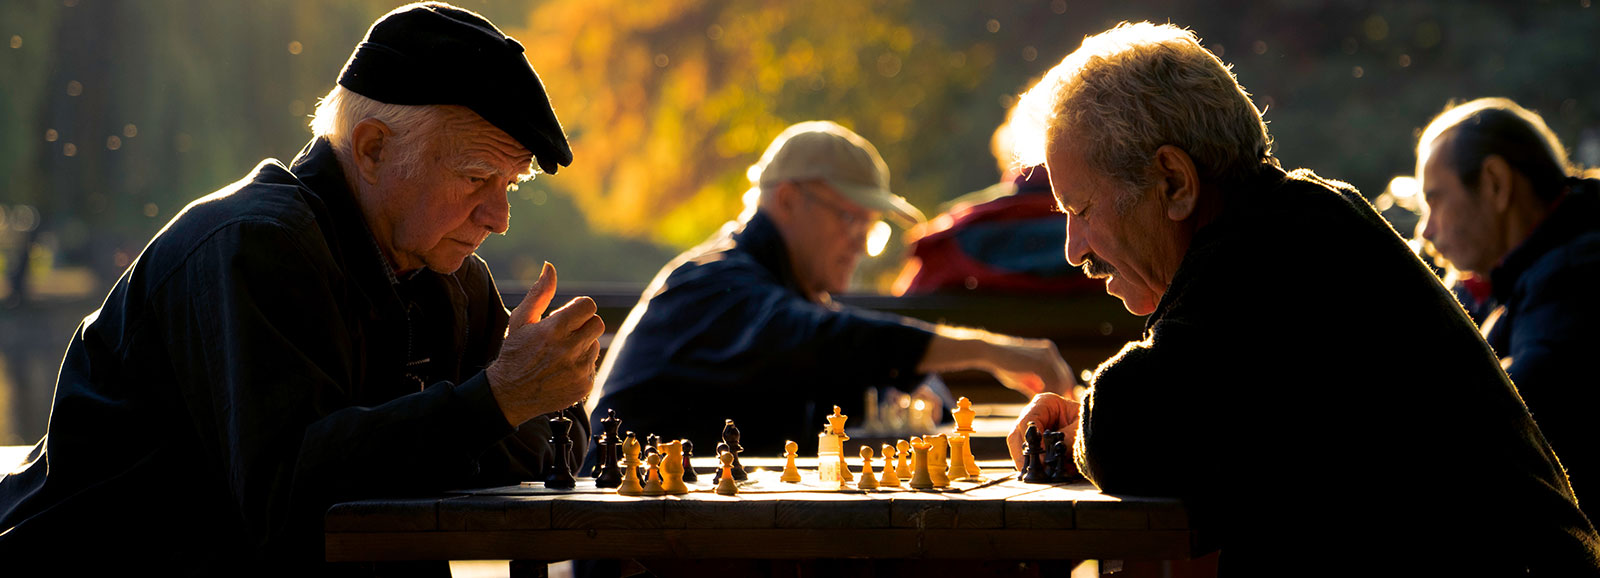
[630,468]
[688,470]
[652,484]
[790,473]
[867,481]
[938,453]
[903,450]
[920,480]
[672,468]
[726,485]
[890,478]
[722,448]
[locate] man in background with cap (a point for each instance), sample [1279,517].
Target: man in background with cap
[742,326]
[317,332]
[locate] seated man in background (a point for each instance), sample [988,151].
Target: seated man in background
[743,326]
[1504,205]
[1005,238]
[316,333]
[1316,423]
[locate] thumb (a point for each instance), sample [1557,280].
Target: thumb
[532,307]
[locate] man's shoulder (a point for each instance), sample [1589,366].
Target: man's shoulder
[270,194]
[256,212]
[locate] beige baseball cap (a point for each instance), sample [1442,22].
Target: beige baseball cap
[823,150]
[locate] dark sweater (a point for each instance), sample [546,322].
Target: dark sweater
[1319,397]
[257,363]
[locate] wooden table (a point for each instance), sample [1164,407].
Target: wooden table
[1008,525]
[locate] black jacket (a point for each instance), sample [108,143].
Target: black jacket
[257,363]
[1545,323]
[724,332]
[1337,423]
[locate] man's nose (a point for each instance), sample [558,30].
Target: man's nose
[494,214]
[1077,247]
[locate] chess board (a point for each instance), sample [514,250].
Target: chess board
[759,482]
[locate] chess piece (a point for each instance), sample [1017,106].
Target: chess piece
[938,454]
[836,426]
[958,458]
[790,474]
[606,473]
[726,486]
[903,451]
[964,414]
[652,484]
[722,448]
[890,478]
[688,467]
[867,481]
[1033,467]
[730,436]
[560,476]
[630,468]
[920,480]
[1062,469]
[672,467]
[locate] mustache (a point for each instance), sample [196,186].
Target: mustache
[1094,268]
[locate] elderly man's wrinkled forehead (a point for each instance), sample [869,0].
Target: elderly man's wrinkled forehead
[473,143]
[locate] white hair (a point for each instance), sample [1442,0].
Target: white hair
[338,113]
[1132,89]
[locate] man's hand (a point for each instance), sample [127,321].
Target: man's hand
[1032,366]
[1050,412]
[546,364]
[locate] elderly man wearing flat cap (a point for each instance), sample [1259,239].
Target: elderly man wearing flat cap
[742,326]
[317,332]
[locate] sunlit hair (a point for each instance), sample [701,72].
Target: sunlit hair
[1498,126]
[338,113]
[1128,91]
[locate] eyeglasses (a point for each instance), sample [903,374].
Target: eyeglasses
[851,220]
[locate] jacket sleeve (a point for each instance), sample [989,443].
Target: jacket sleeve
[739,330]
[1148,425]
[265,359]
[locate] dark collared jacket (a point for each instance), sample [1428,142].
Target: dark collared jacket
[1324,423]
[724,332]
[257,363]
[1545,324]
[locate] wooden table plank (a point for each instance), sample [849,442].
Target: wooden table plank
[764,544]
[406,514]
[494,513]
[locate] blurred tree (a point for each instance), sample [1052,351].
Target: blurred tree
[669,102]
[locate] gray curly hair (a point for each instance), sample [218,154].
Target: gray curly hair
[1128,91]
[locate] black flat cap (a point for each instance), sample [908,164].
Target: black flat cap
[435,53]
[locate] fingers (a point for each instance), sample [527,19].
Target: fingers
[573,315]
[1049,411]
[532,307]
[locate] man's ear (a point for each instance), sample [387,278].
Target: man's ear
[785,201]
[1176,181]
[1495,179]
[367,141]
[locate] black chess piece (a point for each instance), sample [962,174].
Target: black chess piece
[1052,445]
[1065,469]
[561,440]
[716,476]
[1033,467]
[688,470]
[607,474]
[730,436]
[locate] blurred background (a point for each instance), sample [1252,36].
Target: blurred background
[115,114]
